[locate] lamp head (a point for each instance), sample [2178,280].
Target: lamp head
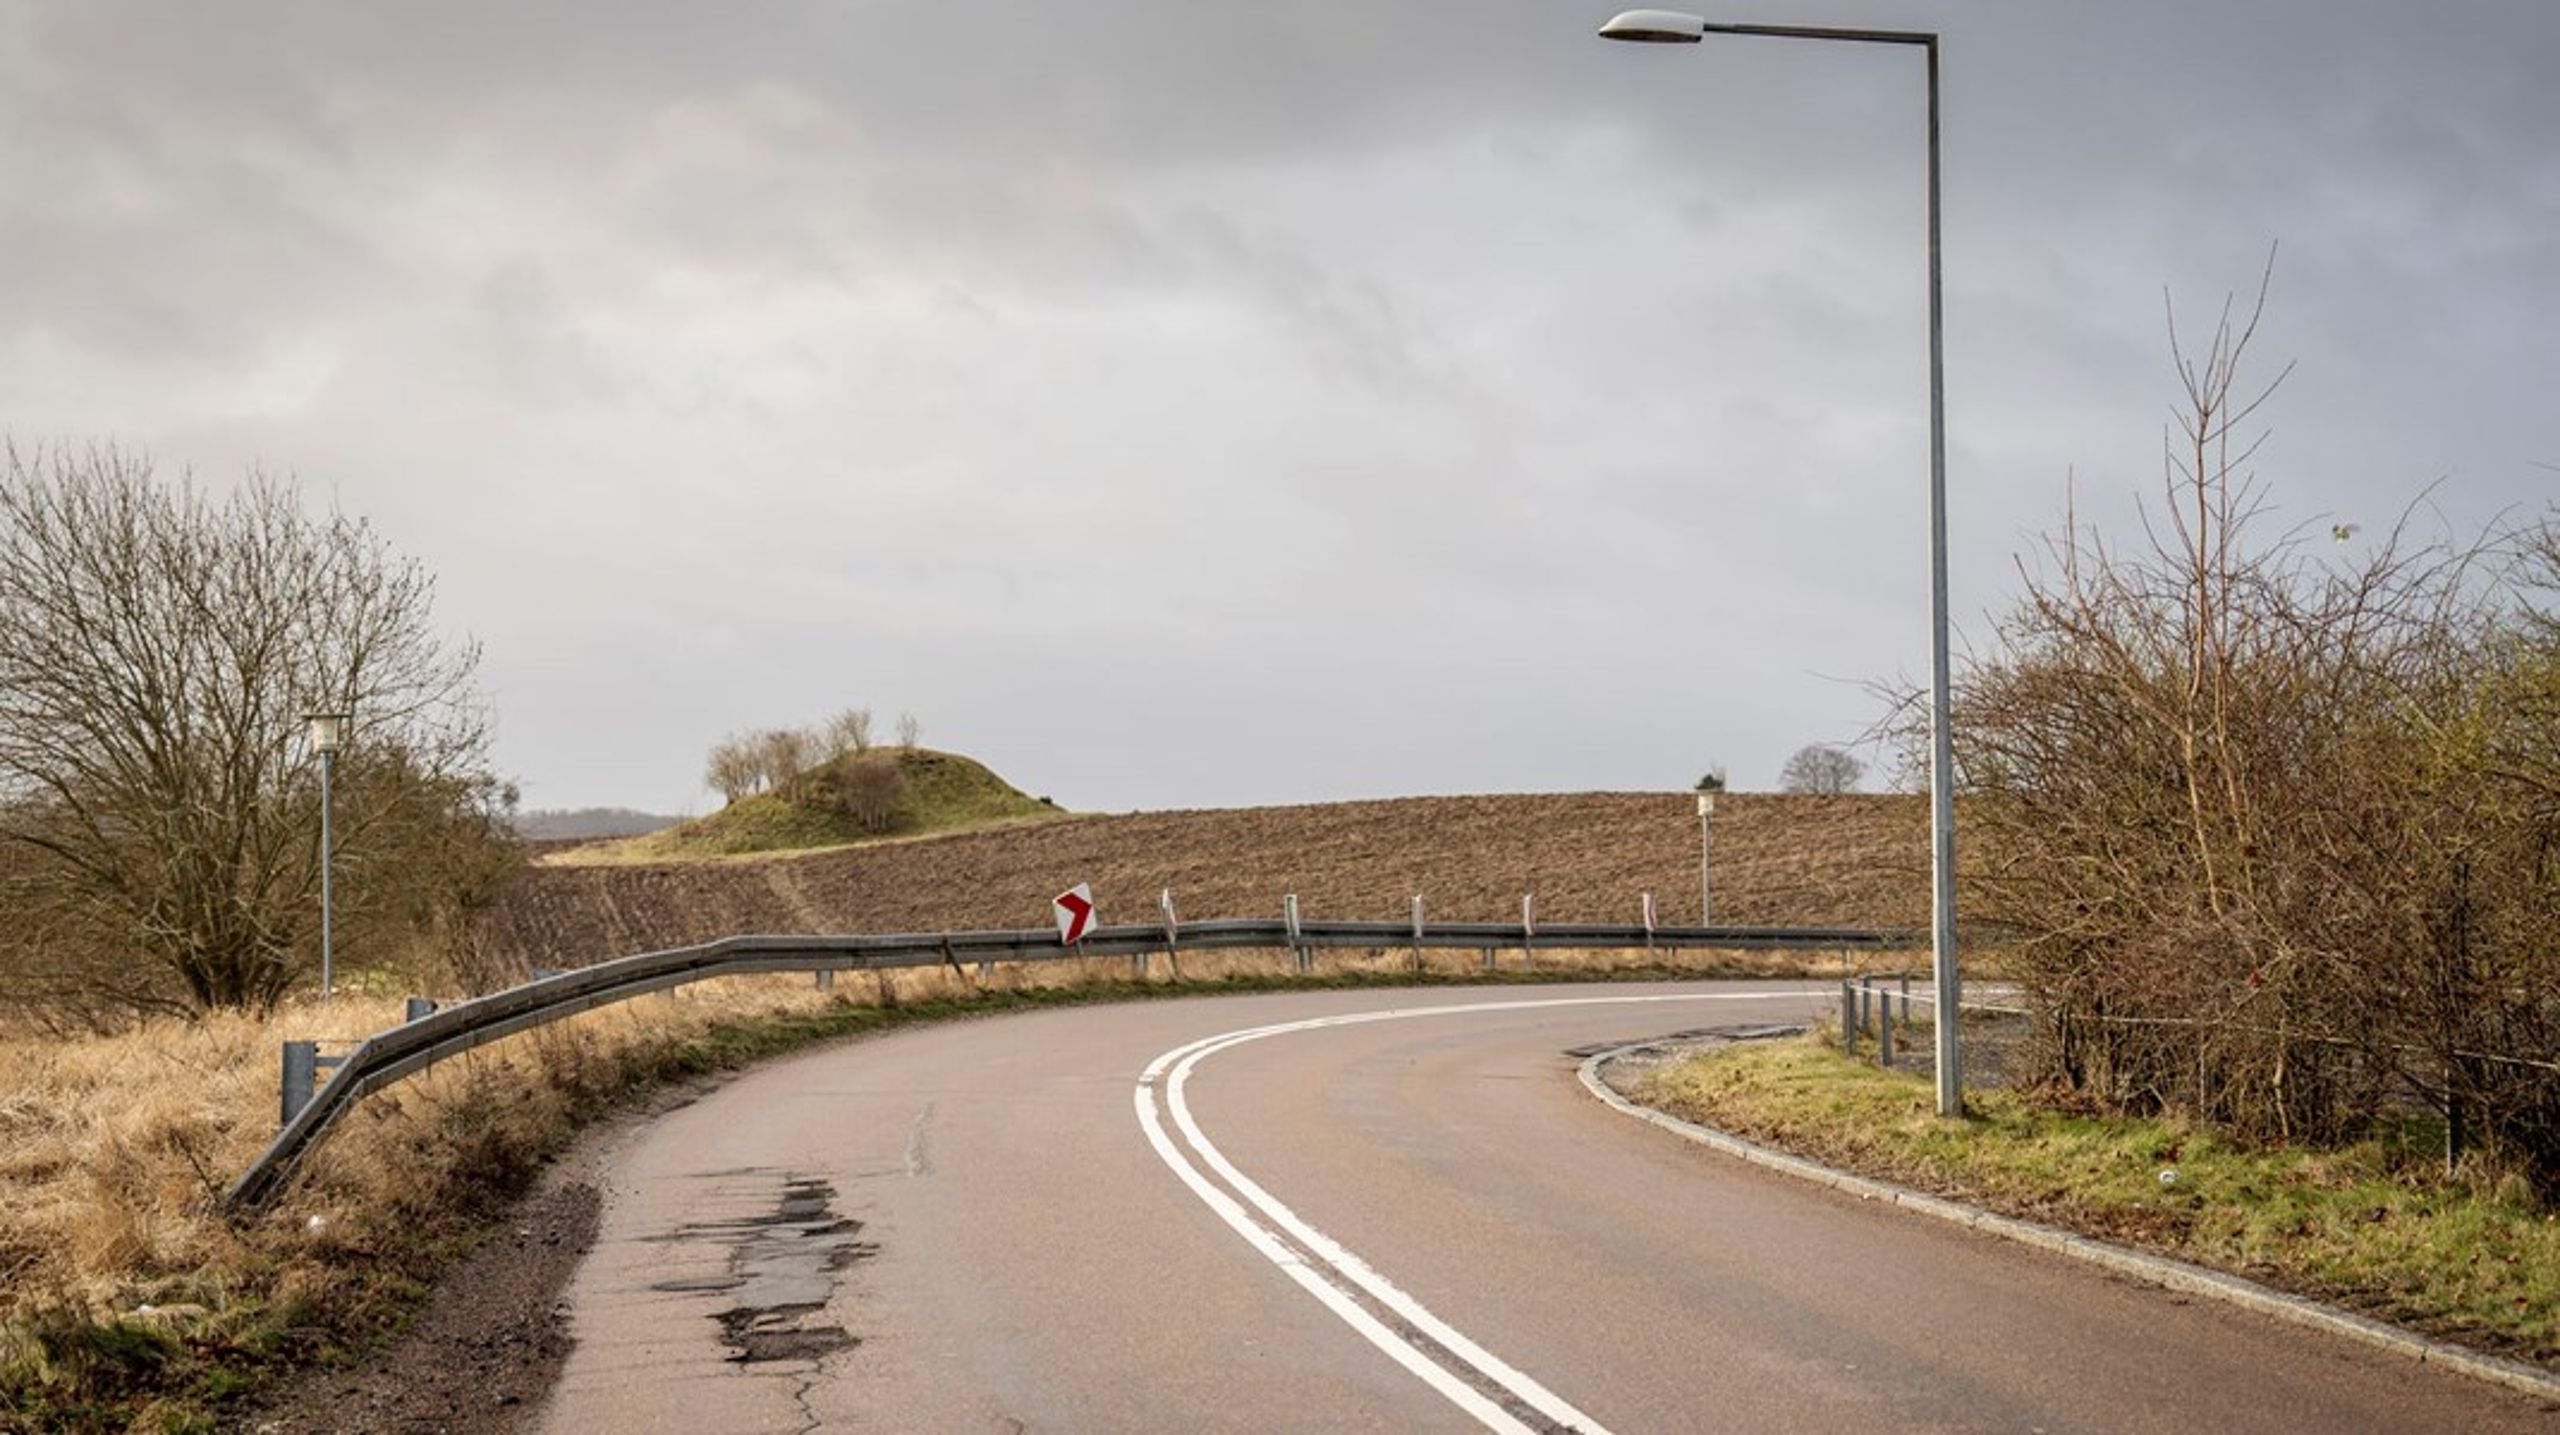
[1656,27]
[328,731]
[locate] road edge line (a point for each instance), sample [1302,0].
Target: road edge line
[2162,1271]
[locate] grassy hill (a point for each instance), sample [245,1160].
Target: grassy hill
[863,797]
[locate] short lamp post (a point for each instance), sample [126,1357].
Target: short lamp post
[1676,27]
[1706,849]
[328,734]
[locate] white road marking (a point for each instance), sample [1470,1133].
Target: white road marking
[1175,1068]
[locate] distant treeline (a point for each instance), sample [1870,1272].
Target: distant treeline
[582,823]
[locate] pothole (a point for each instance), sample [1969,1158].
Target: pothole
[782,1269]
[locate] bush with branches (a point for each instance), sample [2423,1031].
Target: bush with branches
[2278,828]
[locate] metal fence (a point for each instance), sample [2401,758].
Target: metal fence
[451,1030]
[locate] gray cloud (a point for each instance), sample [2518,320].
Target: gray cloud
[1107,384]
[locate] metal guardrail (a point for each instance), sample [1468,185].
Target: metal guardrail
[388,1056]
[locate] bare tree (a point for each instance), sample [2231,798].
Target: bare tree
[1821,769]
[1713,781]
[910,731]
[733,768]
[782,755]
[847,732]
[159,650]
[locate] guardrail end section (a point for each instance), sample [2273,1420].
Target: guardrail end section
[301,1075]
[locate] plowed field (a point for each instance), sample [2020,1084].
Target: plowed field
[1779,860]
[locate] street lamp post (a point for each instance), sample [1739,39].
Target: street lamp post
[328,734]
[1706,847]
[1675,27]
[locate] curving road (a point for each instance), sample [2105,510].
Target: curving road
[1353,1211]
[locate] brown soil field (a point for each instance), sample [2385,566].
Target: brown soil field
[1779,861]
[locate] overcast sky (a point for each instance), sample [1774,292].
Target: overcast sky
[1189,404]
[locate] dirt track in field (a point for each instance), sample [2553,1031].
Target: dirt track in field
[1779,860]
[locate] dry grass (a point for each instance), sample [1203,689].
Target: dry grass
[119,1276]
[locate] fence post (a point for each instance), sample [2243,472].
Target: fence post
[1417,933]
[1906,1000]
[1848,1017]
[1884,1030]
[301,1072]
[1297,949]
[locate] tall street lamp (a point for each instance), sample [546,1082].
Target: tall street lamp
[1675,27]
[328,734]
[1706,906]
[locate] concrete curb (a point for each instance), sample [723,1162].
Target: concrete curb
[2152,1270]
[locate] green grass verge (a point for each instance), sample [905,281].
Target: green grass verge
[2377,1226]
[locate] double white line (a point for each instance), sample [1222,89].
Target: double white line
[1464,1372]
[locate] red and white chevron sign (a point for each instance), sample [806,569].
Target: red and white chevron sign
[1074,910]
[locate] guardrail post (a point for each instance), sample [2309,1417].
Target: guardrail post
[301,1073]
[2453,1123]
[1417,932]
[1297,949]
[1488,959]
[826,979]
[1848,1016]
[1172,931]
[1884,1031]
[417,1007]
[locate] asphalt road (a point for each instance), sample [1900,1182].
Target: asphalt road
[1102,1219]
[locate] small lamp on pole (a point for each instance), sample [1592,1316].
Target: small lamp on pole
[1706,810]
[328,734]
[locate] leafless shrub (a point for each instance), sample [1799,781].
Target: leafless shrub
[870,792]
[910,731]
[874,794]
[158,652]
[2276,830]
